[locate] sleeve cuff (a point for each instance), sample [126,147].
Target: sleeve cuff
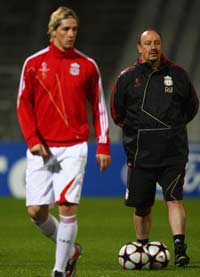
[103,148]
[33,141]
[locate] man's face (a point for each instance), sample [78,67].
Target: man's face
[150,47]
[65,35]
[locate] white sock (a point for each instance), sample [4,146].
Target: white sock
[50,227]
[67,232]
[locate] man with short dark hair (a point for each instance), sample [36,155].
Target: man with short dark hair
[153,101]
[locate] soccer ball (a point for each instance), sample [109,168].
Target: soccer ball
[133,256]
[159,254]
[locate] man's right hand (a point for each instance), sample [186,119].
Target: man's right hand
[40,150]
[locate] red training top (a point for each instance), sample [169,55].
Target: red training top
[52,97]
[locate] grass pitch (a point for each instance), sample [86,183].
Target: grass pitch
[105,224]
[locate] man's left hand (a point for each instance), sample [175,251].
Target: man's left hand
[103,161]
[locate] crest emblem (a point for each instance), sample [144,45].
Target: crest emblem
[74,69]
[168,83]
[44,69]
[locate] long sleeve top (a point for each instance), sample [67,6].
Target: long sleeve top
[52,99]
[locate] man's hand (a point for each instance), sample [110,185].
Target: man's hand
[40,150]
[103,161]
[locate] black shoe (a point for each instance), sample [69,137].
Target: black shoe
[70,269]
[58,274]
[181,259]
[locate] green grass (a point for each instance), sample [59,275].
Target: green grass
[105,224]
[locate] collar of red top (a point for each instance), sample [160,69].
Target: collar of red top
[62,54]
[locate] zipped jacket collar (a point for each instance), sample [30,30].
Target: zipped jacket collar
[147,66]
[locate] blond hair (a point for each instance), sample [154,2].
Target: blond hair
[58,15]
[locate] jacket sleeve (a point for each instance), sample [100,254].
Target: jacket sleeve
[191,103]
[25,106]
[117,102]
[95,95]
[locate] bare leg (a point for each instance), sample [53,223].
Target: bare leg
[45,222]
[142,221]
[38,213]
[176,216]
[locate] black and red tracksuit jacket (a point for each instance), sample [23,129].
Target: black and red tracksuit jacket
[153,109]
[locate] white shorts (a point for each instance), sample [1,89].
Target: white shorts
[57,180]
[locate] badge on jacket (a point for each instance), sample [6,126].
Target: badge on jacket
[74,69]
[168,83]
[44,69]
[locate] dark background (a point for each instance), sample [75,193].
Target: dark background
[108,33]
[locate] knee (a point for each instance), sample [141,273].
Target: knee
[174,203]
[142,212]
[68,209]
[38,213]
